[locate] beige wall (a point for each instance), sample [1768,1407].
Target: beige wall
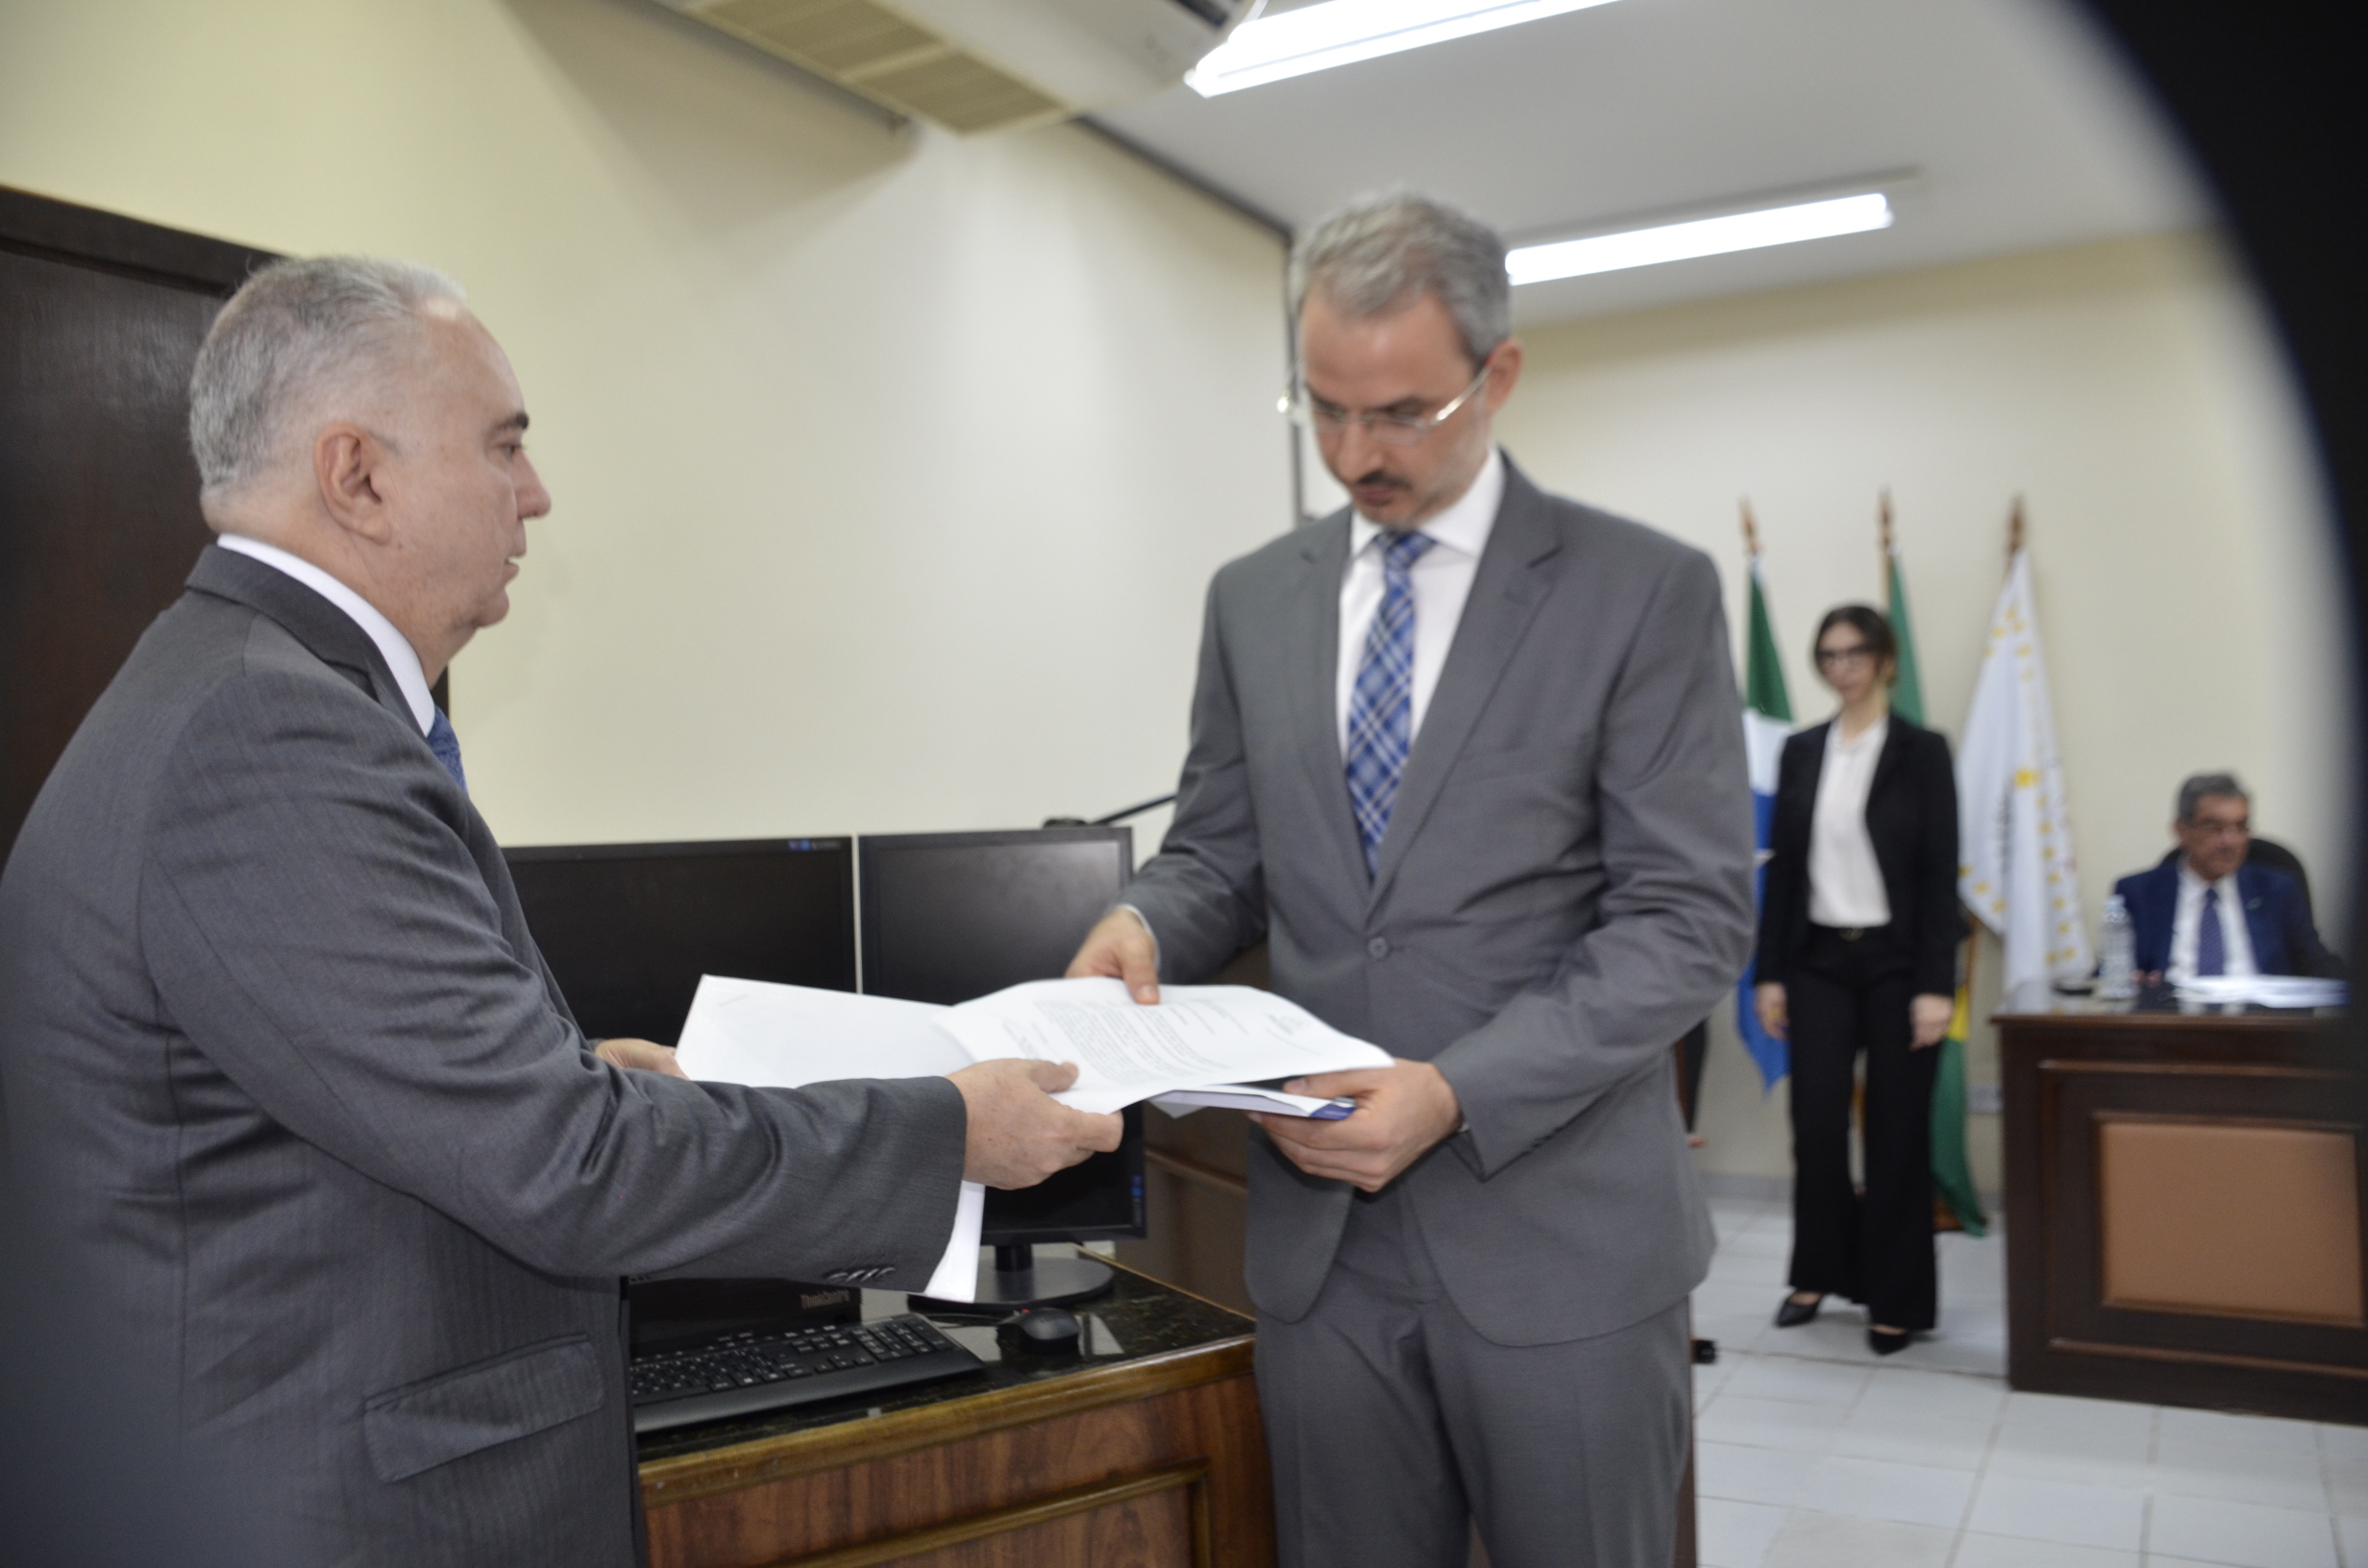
[2184,569]
[890,467]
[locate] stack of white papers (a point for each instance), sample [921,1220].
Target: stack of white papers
[1200,1045]
[2265,989]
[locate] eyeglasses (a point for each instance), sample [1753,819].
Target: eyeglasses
[1828,657]
[1390,430]
[2221,830]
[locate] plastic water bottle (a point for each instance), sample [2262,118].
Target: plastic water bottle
[2116,952]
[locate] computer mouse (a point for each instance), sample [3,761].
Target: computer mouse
[1047,1331]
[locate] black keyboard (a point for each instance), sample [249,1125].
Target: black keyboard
[768,1370]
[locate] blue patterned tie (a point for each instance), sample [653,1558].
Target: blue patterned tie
[2211,944]
[1381,704]
[447,749]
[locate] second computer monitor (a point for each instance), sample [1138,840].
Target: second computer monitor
[948,917]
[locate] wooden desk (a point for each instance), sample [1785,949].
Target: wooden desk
[1148,1457]
[2184,1196]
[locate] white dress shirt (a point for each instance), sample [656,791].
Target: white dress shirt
[2236,944]
[1845,881]
[393,647]
[1442,582]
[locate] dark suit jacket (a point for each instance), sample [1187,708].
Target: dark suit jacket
[1564,889]
[1911,818]
[288,1072]
[2284,941]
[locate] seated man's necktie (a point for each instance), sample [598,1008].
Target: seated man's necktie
[2211,944]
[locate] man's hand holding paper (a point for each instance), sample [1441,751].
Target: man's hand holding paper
[1121,948]
[1018,1135]
[1402,1110]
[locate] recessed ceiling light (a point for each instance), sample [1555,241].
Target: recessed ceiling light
[1342,32]
[1701,236]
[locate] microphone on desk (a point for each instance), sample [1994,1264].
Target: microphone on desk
[1113,818]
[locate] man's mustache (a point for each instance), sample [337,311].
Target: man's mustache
[1379,477]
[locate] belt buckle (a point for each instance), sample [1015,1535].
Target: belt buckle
[1852,933]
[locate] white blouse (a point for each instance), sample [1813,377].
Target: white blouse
[1845,881]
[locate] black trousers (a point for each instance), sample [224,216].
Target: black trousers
[1845,997]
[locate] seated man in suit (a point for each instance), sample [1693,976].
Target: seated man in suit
[285,1073]
[2204,911]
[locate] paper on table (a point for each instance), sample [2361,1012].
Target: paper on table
[1125,1051]
[2267,989]
[787,1037]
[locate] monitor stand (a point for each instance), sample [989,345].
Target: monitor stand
[1018,1277]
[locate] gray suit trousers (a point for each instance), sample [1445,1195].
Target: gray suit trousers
[1390,1420]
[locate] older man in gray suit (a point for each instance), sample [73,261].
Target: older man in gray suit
[284,1069]
[1465,756]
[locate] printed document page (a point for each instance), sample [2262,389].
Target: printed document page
[787,1037]
[1125,1051]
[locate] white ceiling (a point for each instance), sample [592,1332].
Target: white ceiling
[2025,130]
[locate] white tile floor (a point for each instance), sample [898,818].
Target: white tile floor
[1810,1452]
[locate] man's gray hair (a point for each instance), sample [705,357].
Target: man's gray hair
[2197,786]
[298,329]
[1380,252]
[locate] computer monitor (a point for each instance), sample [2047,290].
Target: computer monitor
[629,928]
[946,917]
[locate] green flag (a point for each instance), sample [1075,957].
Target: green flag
[1764,669]
[1907,691]
[1951,1175]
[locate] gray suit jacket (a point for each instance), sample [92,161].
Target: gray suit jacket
[1563,891]
[285,1067]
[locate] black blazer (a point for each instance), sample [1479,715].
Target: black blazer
[1911,818]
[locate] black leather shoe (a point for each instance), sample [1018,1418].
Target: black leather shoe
[1888,1343]
[1791,1315]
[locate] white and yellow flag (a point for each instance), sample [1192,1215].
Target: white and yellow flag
[2014,837]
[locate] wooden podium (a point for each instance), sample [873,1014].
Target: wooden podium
[1143,1452]
[2185,1198]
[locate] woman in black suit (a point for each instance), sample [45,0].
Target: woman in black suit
[1858,954]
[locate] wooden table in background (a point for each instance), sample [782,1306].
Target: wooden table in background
[2184,1194]
[1147,1460]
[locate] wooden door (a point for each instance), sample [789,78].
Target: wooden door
[100,321]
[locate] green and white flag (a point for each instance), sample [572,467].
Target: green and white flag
[2014,841]
[1952,1173]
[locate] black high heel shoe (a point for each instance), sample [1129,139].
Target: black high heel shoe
[1888,1341]
[1791,1315]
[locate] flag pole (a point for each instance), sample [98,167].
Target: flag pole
[2015,530]
[1768,720]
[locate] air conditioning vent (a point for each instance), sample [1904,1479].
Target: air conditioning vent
[955,90]
[976,65]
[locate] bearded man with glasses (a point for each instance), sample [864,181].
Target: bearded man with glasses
[1465,756]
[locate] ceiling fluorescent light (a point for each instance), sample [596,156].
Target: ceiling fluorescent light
[1342,32]
[1703,237]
